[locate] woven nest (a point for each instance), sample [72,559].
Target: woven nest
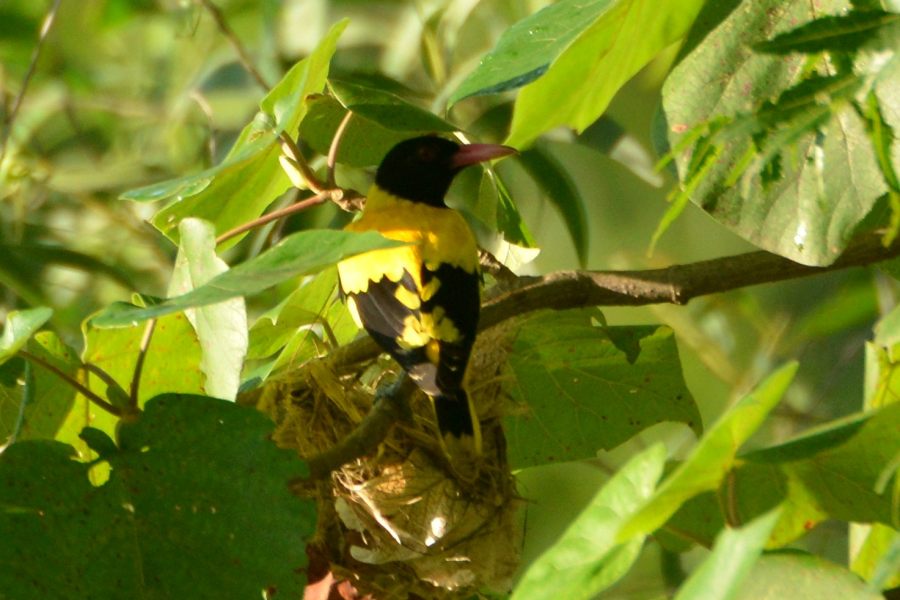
[405,520]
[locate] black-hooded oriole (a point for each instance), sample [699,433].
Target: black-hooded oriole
[420,302]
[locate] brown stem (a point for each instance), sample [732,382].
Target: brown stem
[677,284]
[275,214]
[335,146]
[226,30]
[139,364]
[49,20]
[82,389]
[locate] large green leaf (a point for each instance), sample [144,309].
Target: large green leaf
[197,504]
[250,177]
[782,157]
[714,455]
[723,573]
[583,387]
[587,559]
[302,253]
[19,327]
[579,85]
[222,327]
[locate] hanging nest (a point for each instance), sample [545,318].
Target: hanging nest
[404,520]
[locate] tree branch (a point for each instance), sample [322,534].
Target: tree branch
[677,284]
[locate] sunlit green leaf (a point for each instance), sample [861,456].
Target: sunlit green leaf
[250,178]
[722,575]
[19,327]
[221,328]
[579,85]
[714,455]
[302,253]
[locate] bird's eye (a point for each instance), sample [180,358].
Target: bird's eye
[426,153]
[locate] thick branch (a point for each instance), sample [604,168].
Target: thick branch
[677,284]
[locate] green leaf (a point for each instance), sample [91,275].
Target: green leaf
[296,327]
[724,572]
[221,328]
[842,471]
[35,405]
[583,387]
[714,455]
[19,327]
[509,220]
[845,33]
[875,554]
[364,142]
[579,85]
[526,49]
[586,560]
[193,477]
[801,576]
[250,178]
[116,351]
[559,187]
[302,253]
[795,176]
[386,109]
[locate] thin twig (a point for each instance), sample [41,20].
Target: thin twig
[49,20]
[292,151]
[335,146]
[139,364]
[82,389]
[228,32]
[275,214]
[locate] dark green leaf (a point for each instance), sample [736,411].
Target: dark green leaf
[526,49]
[197,502]
[845,33]
[302,253]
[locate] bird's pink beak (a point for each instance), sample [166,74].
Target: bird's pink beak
[471,154]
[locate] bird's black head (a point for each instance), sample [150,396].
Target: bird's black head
[421,169]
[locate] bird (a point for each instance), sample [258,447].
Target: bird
[420,302]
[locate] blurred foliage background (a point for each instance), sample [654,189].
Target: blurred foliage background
[129,92]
